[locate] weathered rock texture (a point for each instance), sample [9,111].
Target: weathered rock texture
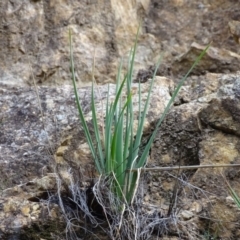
[31,132]
[34,37]
[37,139]
[201,129]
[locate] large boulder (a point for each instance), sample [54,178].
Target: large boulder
[34,38]
[204,131]
[40,133]
[200,129]
[41,141]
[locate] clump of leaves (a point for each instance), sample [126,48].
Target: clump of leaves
[117,151]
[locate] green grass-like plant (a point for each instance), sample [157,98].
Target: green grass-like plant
[234,195]
[118,146]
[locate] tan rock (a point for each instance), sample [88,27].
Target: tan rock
[215,60]
[196,207]
[34,39]
[234,27]
[25,211]
[186,215]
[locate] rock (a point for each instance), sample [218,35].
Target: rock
[234,27]
[41,137]
[34,36]
[203,131]
[216,60]
[202,127]
[186,215]
[36,141]
[180,23]
[23,206]
[190,135]
[34,39]
[196,207]
[222,115]
[230,200]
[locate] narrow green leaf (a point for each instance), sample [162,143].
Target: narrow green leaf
[143,158]
[142,117]
[99,156]
[80,111]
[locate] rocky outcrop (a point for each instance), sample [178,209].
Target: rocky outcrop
[39,123]
[203,130]
[40,132]
[34,37]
